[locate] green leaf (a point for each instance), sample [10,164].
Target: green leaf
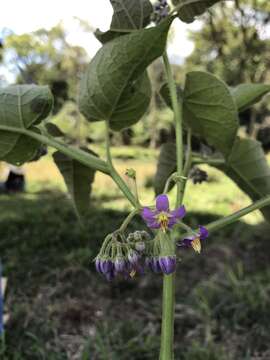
[132,104]
[114,70]
[166,166]
[130,14]
[22,106]
[189,9]
[210,110]
[246,95]
[248,167]
[78,179]
[17,149]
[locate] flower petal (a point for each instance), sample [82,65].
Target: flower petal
[147,214]
[162,203]
[178,213]
[203,232]
[153,224]
[187,242]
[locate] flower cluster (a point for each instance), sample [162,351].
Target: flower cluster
[138,252]
[122,257]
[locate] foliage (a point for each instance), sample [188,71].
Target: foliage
[45,57]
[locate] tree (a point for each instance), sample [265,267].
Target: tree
[45,57]
[234,45]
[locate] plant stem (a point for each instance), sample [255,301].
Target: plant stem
[127,220]
[167,329]
[228,220]
[177,109]
[72,152]
[187,166]
[219,224]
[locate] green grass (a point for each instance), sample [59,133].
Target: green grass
[61,309]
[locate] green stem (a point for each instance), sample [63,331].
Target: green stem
[167,329]
[228,220]
[72,152]
[177,109]
[187,166]
[219,224]
[128,220]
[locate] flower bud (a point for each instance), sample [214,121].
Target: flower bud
[131,173]
[140,246]
[120,264]
[167,264]
[133,257]
[106,266]
[98,265]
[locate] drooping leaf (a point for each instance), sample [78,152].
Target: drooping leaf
[130,14]
[54,130]
[24,105]
[17,149]
[190,9]
[21,107]
[166,166]
[78,179]
[114,70]
[246,95]
[210,111]
[248,167]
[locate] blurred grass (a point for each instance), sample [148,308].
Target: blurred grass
[61,309]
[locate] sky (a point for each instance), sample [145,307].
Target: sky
[30,15]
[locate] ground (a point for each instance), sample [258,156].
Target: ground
[61,309]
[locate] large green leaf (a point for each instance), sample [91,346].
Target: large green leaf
[248,167]
[189,9]
[130,14]
[115,70]
[133,104]
[78,179]
[246,95]
[166,166]
[21,107]
[210,110]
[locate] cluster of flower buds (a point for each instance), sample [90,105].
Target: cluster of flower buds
[161,11]
[122,257]
[135,255]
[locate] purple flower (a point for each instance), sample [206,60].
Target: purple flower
[120,264]
[162,218]
[152,263]
[167,264]
[195,241]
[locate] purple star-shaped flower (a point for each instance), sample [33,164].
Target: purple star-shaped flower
[195,241]
[162,218]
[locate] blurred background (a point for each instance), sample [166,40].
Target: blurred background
[58,307]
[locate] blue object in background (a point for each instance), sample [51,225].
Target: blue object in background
[1,303]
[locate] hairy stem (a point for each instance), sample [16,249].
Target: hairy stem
[72,152]
[167,330]
[219,224]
